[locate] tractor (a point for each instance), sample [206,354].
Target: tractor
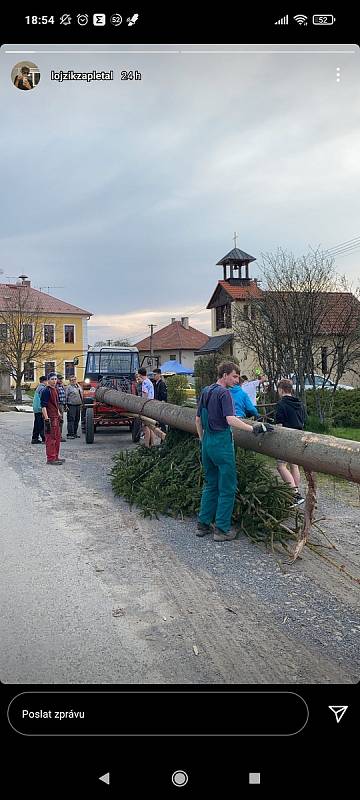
[114,368]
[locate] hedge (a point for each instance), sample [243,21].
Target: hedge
[342,408]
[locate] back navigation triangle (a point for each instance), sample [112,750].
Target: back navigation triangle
[339,711]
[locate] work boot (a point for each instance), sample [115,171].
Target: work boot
[203,529]
[220,536]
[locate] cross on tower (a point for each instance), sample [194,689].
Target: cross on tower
[235,237]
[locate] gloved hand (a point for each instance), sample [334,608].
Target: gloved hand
[262,427]
[47,426]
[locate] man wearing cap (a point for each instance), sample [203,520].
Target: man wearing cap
[51,414]
[62,402]
[74,399]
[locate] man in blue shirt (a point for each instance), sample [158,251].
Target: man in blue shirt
[215,414]
[242,402]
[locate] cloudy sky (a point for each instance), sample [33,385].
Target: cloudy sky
[126,194]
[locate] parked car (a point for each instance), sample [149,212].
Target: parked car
[320,384]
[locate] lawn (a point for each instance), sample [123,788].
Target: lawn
[346,433]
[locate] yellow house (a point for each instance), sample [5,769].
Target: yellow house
[59,326]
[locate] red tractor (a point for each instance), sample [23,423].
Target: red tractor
[115,368]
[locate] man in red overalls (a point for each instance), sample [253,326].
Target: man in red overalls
[51,413]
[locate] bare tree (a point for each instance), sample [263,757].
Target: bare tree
[22,338]
[303,306]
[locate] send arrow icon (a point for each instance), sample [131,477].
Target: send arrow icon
[339,711]
[105,778]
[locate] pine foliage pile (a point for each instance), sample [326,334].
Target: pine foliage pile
[168,480]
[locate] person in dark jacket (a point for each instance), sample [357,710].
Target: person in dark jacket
[290,413]
[160,392]
[38,429]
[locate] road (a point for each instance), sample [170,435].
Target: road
[94,593]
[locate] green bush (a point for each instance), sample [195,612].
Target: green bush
[176,386]
[206,369]
[314,425]
[342,408]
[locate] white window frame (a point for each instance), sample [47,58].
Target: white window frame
[32,333]
[69,361]
[46,362]
[23,367]
[54,329]
[67,324]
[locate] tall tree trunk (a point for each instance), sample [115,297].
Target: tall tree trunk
[18,390]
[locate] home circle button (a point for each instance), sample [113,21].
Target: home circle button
[179,778]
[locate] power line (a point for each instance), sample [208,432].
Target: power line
[341,244]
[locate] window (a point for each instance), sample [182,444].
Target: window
[107,363]
[49,334]
[223,317]
[69,369]
[28,333]
[69,334]
[3,332]
[172,358]
[324,365]
[29,371]
[49,366]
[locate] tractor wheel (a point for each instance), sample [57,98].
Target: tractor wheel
[136,430]
[89,426]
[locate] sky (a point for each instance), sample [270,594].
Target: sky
[124,194]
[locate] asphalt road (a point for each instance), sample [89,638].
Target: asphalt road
[93,593]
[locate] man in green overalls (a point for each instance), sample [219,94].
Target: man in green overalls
[215,415]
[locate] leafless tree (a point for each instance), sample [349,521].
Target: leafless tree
[303,309]
[22,338]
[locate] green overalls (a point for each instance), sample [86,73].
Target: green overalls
[218,459]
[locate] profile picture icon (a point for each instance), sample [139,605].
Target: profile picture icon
[25,75]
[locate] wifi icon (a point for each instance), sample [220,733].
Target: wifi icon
[301,19]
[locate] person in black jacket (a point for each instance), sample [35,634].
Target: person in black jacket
[160,392]
[290,413]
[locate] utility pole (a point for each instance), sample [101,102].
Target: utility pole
[151,338]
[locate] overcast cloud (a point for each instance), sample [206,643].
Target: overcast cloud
[126,194]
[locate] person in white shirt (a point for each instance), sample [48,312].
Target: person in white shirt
[147,392]
[251,387]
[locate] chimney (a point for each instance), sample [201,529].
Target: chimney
[173,319]
[24,280]
[185,322]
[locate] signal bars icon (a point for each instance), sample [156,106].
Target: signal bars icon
[283,20]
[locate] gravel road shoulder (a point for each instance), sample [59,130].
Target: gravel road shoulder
[148,602]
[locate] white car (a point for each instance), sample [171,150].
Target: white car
[319,383]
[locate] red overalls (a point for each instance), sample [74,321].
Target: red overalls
[52,439]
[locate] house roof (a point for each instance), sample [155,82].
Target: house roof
[241,290]
[338,312]
[214,344]
[37,301]
[174,337]
[236,256]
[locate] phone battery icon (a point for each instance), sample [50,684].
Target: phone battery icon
[323,19]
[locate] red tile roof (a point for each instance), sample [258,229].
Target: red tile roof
[240,291]
[38,302]
[174,337]
[338,311]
